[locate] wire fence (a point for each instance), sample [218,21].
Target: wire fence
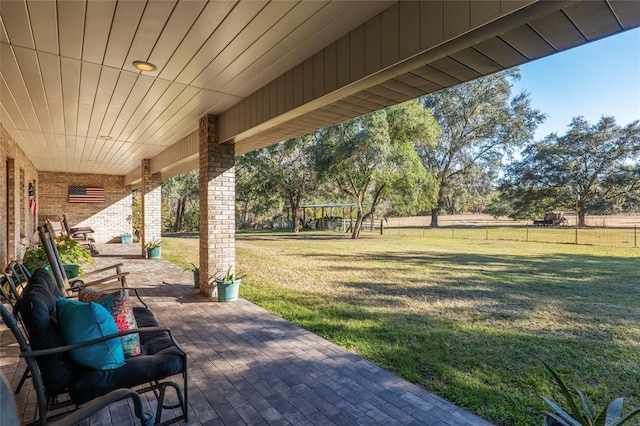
[611,237]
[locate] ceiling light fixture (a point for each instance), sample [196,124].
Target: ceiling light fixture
[144,66]
[106,137]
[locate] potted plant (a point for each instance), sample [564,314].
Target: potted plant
[153,248]
[126,237]
[72,254]
[34,257]
[196,274]
[228,285]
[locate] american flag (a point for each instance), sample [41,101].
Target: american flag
[32,200]
[86,194]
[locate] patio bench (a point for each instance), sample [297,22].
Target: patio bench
[56,371]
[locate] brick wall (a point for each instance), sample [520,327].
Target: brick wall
[17,225]
[109,219]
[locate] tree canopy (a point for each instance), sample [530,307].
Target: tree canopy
[371,159]
[442,152]
[480,124]
[588,166]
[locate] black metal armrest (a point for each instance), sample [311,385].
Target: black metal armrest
[100,403]
[68,348]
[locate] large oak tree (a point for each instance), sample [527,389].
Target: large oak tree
[480,123]
[597,163]
[371,159]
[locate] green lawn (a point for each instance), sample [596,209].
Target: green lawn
[469,320]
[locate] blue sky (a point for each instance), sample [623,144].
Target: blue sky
[596,79]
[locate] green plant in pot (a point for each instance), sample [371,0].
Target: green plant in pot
[126,237]
[71,253]
[228,285]
[153,248]
[196,273]
[34,257]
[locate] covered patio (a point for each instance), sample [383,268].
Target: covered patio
[116,95]
[248,366]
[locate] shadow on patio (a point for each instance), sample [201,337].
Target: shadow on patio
[249,367]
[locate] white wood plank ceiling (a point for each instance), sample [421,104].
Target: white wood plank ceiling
[72,100]
[68,78]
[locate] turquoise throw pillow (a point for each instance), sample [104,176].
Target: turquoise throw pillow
[79,322]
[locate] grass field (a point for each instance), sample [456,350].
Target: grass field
[611,237]
[595,221]
[469,320]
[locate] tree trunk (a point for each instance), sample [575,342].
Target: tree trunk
[355,233]
[582,215]
[177,226]
[294,202]
[244,212]
[439,205]
[434,218]
[295,220]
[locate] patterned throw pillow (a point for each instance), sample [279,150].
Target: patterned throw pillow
[119,304]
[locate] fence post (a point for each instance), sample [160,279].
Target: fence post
[453,227]
[576,233]
[486,232]
[635,236]
[381,225]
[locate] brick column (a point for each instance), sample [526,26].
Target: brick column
[217,203]
[151,225]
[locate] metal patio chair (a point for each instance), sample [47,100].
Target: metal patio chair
[59,382]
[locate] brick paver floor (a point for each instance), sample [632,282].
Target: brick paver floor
[250,367]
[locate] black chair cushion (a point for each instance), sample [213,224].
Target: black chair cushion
[37,308]
[154,342]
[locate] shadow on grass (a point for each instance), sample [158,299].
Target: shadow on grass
[475,328]
[265,235]
[187,235]
[294,237]
[557,276]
